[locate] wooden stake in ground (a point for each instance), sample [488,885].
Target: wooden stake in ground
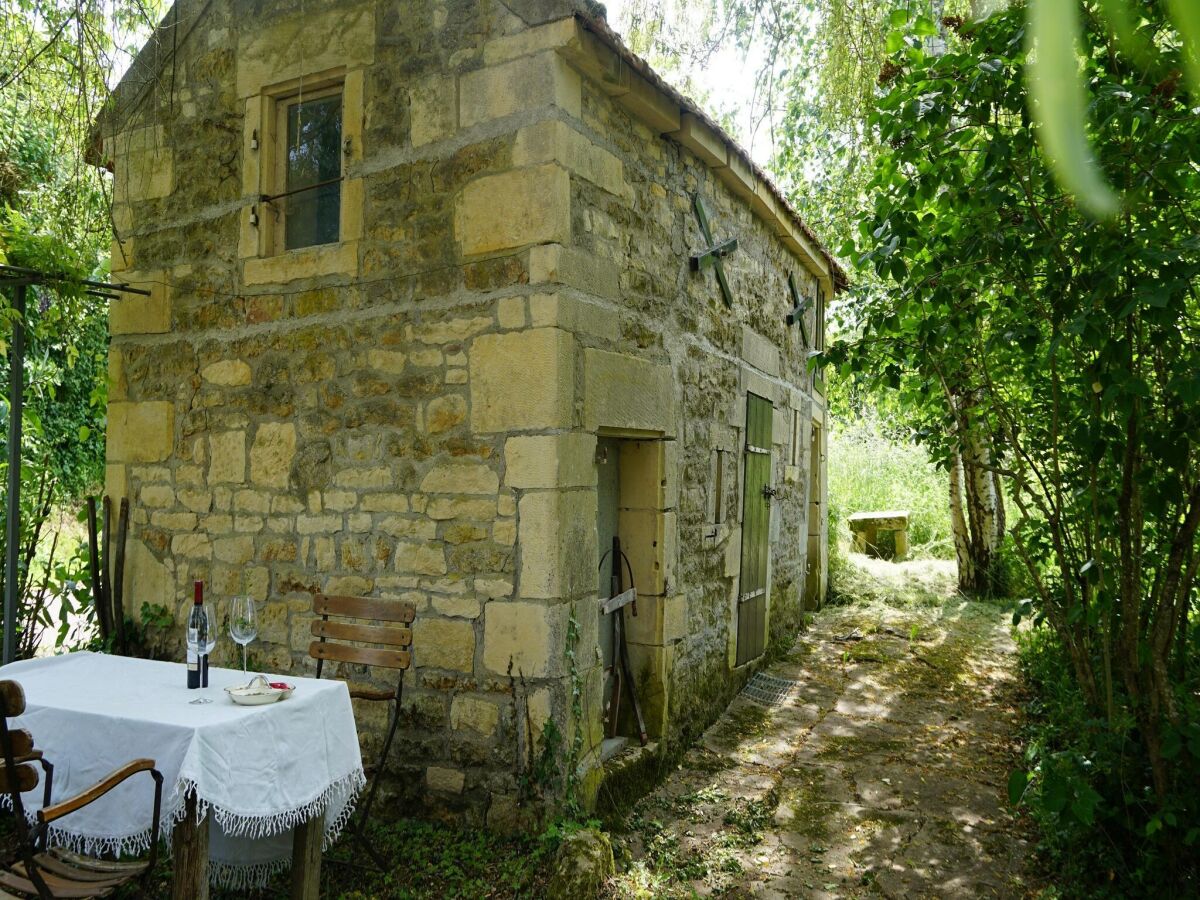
[118,588]
[106,561]
[189,843]
[94,570]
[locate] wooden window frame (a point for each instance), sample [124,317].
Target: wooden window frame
[819,324]
[263,262]
[273,158]
[279,175]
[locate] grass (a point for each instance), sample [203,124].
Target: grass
[428,861]
[872,469]
[923,584]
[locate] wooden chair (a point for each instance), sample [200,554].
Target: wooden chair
[392,650]
[55,872]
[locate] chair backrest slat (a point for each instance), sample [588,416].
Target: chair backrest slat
[367,634]
[23,776]
[363,656]
[14,698]
[22,742]
[365,608]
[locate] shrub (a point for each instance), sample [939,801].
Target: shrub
[1089,788]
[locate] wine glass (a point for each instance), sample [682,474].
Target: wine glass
[243,623]
[213,626]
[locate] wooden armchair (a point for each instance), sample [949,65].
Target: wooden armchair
[49,872]
[339,640]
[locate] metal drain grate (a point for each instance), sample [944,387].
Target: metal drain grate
[767,690]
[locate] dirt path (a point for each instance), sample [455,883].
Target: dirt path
[881,773]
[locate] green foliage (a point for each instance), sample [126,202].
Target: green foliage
[1160,46]
[815,69]
[751,817]
[1086,782]
[439,861]
[54,217]
[1074,342]
[550,772]
[545,773]
[430,861]
[143,635]
[917,584]
[62,422]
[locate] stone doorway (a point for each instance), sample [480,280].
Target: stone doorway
[629,494]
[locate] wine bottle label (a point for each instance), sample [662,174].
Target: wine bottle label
[193,660]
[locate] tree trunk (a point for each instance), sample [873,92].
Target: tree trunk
[980,495]
[1001,512]
[975,512]
[958,525]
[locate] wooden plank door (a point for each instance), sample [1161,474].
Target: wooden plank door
[756,521]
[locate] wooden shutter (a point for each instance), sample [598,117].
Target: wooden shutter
[756,521]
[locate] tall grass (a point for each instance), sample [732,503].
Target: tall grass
[871,467]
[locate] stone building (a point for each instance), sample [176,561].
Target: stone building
[424,325]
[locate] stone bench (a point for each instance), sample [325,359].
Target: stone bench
[865,527]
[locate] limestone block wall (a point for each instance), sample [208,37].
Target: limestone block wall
[678,366]
[413,411]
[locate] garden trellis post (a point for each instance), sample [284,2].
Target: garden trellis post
[12,525]
[20,278]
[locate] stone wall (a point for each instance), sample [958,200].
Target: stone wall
[413,412]
[712,356]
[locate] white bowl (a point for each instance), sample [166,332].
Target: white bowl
[256,693]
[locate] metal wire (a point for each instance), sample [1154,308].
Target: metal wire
[15,275]
[268,198]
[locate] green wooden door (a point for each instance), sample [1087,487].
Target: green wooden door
[756,521]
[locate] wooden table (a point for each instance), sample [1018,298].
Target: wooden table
[189,849]
[250,770]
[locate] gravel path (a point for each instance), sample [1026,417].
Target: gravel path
[882,773]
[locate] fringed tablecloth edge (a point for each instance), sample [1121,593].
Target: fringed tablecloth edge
[118,845]
[127,845]
[245,876]
[226,874]
[237,824]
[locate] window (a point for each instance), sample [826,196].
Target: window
[302,143]
[308,202]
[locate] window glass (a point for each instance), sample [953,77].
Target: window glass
[314,163]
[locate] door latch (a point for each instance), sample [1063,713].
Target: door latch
[769,493]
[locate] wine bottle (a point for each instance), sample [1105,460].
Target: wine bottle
[197,636]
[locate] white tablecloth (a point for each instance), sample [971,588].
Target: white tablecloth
[257,771]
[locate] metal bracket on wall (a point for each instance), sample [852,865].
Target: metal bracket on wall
[715,253]
[799,308]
